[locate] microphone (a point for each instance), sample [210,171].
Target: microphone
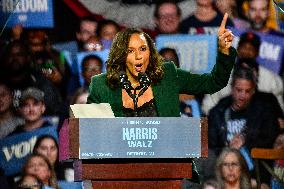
[144,81]
[124,82]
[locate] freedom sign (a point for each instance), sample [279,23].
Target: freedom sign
[16,148]
[197,54]
[29,13]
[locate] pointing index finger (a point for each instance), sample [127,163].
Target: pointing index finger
[223,23]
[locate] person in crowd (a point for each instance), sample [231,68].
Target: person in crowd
[47,60]
[170,54]
[40,166]
[231,170]
[32,108]
[133,52]
[80,96]
[278,164]
[167,17]
[245,119]
[16,70]
[230,6]
[107,29]
[91,65]
[93,44]
[87,28]
[16,32]
[29,181]
[9,120]
[258,15]
[267,81]
[47,146]
[204,20]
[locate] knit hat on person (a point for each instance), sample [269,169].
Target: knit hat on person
[250,37]
[33,93]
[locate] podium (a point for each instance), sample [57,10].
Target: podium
[127,153]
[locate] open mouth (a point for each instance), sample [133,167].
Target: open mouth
[138,67]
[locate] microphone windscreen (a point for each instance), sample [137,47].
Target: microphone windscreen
[144,80]
[124,82]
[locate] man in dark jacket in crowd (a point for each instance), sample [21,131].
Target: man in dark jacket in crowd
[245,119]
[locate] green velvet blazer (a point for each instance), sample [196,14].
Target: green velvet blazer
[166,93]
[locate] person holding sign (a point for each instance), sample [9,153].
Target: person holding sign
[135,71]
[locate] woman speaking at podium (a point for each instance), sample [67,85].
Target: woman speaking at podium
[139,83]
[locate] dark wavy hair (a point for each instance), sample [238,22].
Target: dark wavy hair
[118,53]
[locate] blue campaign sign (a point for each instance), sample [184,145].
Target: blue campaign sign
[80,56]
[271,49]
[139,137]
[196,53]
[29,13]
[16,148]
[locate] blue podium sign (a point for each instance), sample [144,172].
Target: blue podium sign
[147,137]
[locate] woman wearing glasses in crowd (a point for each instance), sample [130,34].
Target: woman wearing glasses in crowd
[231,170]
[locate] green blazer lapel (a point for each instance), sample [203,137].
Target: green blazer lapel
[116,101]
[157,92]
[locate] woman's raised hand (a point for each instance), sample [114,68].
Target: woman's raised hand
[225,36]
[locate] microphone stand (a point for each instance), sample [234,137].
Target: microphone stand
[135,96]
[144,82]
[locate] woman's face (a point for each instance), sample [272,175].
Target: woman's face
[231,169]
[38,167]
[138,54]
[49,149]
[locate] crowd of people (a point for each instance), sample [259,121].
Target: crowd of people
[40,79]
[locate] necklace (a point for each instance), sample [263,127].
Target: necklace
[134,85]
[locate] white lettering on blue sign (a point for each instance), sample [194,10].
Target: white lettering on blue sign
[140,143]
[136,153]
[193,53]
[19,150]
[139,133]
[24,6]
[269,51]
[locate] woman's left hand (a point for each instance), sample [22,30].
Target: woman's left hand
[225,36]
